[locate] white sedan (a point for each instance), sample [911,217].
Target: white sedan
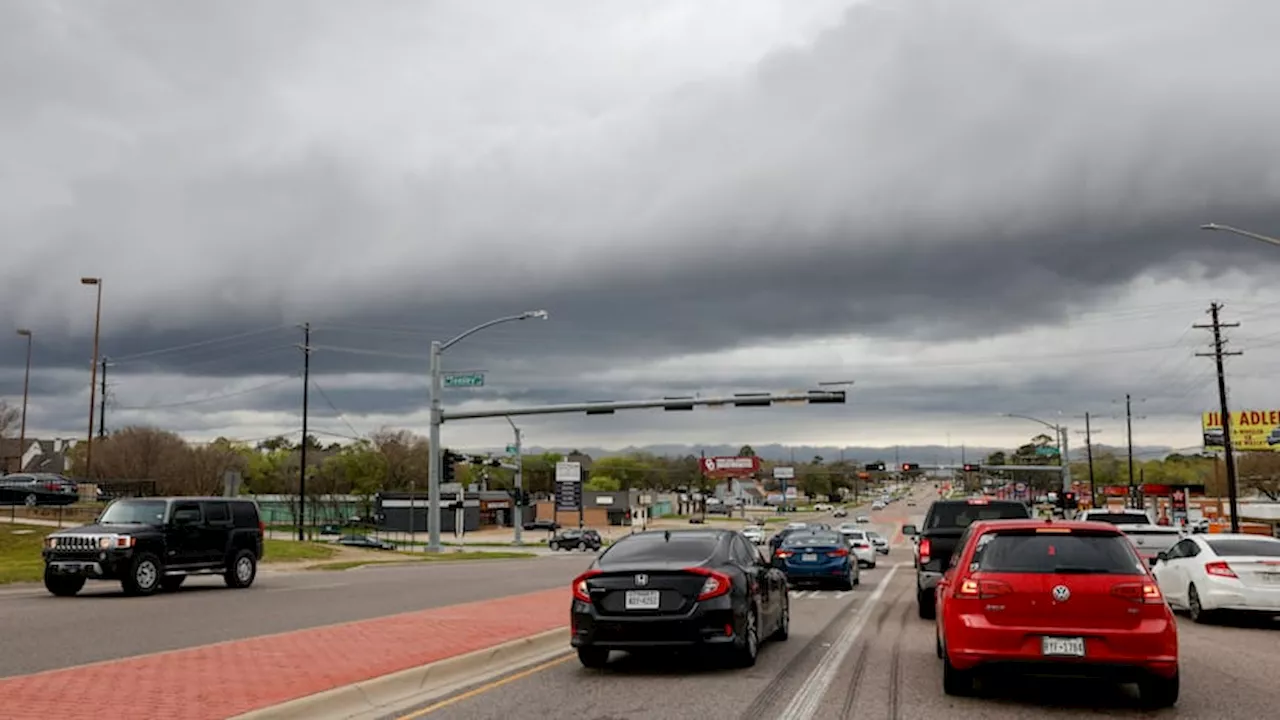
[1209,574]
[754,533]
[861,546]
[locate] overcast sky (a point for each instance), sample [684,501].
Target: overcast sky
[968,208]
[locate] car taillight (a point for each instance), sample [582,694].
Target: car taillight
[783,554]
[924,550]
[1139,592]
[1219,569]
[838,552]
[974,589]
[262,528]
[715,585]
[580,585]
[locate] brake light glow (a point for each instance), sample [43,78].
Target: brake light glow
[1146,593]
[1053,530]
[975,589]
[979,501]
[580,585]
[783,554]
[838,552]
[1219,569]
[716,584]
[925,547]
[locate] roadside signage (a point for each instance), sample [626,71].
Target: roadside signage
[784,473]
[730,466]
[464,380]
[512,449]
[1251,431]
[568,472]
[1047,451]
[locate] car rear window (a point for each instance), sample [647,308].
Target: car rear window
[962,515]
[1244,548]
[1119,518]
[1032,552]
[1154,540]
[689,547]
[818,538]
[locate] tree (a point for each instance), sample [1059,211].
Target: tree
[629,471]
[746,451]
[406,455]
[10,417]
[602,483]
[1260,472]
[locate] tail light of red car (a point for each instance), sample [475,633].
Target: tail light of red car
[924,550]
[1220,569]
[1143,593]
[580,585]
[981,589]
[839,552]
[715,585]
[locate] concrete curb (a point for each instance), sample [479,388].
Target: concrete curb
[384,695]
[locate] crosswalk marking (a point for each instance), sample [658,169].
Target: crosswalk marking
[817,594]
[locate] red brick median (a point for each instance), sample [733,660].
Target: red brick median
[219,681]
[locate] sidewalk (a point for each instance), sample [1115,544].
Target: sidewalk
[223,680]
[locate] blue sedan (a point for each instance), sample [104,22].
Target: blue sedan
[817,556]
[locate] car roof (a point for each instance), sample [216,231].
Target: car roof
[1233,536]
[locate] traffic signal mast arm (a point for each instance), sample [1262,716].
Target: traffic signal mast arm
[812,397]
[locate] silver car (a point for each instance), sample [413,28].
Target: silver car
[879,542]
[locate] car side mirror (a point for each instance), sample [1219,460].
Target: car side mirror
[1162,556]
[910,530]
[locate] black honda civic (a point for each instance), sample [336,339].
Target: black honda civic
[679,588]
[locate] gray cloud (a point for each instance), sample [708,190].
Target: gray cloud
[920,169]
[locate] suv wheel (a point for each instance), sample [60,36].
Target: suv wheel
[143,576]
[30,500]
[553,545]
[62,585]
[242,570]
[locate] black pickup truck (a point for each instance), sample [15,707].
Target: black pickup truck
[944,523]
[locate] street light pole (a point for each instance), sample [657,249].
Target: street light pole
[1243,233]
[517,512]
[93,378]
[437,417]
[1061,432]
[26,387]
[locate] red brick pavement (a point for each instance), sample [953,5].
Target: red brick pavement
[219,681]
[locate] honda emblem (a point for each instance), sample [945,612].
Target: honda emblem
[642,579]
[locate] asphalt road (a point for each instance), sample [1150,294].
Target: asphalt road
[41,632]
[887,670]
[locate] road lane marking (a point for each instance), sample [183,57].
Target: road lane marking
[808,698]
[329,586]
[486,688]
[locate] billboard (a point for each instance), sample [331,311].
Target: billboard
[1251,430]
[723,467]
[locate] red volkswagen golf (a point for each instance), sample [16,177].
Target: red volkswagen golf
[1059,598]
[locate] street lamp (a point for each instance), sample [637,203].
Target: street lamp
[93,373]
[26,386]
[1062,446]
[1243,233]
[437,415]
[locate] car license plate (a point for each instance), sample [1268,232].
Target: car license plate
[1062,646]
[809,557]
[643,600]
[1271,578]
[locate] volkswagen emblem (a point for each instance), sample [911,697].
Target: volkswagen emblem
[1061,593]
[642,579]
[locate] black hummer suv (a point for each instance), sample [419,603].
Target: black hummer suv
[152,544]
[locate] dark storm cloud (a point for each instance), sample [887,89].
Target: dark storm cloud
[922,169]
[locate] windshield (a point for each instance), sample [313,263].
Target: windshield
[1120,518]
[818,538]
[690,547]
[1245,548]
[134,512]
[957,515]
[874,536]
[1055,553]
[855,534]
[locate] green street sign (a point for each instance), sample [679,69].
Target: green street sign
[1047,451]
[511,449]
[467,380]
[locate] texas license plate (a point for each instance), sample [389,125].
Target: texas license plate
[643,600]
[809,557]
[1062,646]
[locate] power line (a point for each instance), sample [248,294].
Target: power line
[325,396]
[210,398]
[197,344]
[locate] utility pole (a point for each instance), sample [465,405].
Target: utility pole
[102,403]
[1128,421]
[1088,441]
[1227,451]
[306,397]
[517,512]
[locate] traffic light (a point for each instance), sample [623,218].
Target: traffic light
[874,467]
[447,460]
[1069,501]
[972,467]
[908,467]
